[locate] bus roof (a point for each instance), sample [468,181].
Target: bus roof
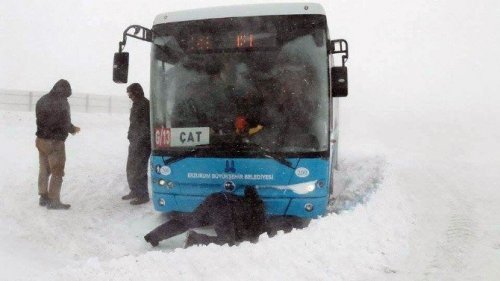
[241,11]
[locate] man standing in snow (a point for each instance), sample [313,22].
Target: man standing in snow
[234,218]
[53,121]
[139,149]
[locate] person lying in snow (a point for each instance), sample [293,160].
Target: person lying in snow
[234,218]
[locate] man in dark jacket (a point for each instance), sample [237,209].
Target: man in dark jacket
[234,219]
[139,150]
[53,120]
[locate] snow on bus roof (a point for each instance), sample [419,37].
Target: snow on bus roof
[241,11]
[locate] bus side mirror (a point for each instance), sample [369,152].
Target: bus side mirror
[339,81]
[120,67]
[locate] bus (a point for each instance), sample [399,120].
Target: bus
[243,96]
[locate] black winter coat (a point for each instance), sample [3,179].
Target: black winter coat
[247,214]
[139,133]
[53,117]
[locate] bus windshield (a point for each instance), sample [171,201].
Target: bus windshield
[259,80]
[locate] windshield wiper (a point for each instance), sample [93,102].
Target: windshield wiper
[193,152]
[239,146]
[197,150]
[262,151]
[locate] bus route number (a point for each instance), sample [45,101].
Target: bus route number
[162,137]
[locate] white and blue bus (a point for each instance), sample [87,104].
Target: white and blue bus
[243,96]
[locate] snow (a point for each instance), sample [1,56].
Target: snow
[420,204]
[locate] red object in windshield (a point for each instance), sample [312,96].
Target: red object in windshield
[241,124]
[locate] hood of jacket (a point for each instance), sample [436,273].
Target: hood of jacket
[62,88]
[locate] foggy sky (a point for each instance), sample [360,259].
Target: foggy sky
[43,41]
[397,48]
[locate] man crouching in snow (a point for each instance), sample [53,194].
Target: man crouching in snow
[234,218]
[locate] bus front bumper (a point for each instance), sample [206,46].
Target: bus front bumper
[305,207]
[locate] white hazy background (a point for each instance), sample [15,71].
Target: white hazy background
[445,52]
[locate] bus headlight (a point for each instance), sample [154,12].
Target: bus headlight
[166,183]
[309,207]
[320,184]
[302,188]
[162,202]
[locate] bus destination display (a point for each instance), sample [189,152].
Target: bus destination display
[230,40]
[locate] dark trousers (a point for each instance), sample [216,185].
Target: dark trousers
[137,169]
[215,211]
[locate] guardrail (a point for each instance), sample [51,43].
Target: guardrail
[13,100]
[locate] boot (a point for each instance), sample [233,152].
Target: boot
[151,239]
[191,239]
[129,196]
[140,200]
[44,200]
[57,205]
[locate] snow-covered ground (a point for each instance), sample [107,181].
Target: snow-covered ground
[421,203]
[419,155]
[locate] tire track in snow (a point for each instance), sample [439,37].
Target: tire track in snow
[451,253]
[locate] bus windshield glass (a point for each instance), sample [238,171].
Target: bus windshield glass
[258,80]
